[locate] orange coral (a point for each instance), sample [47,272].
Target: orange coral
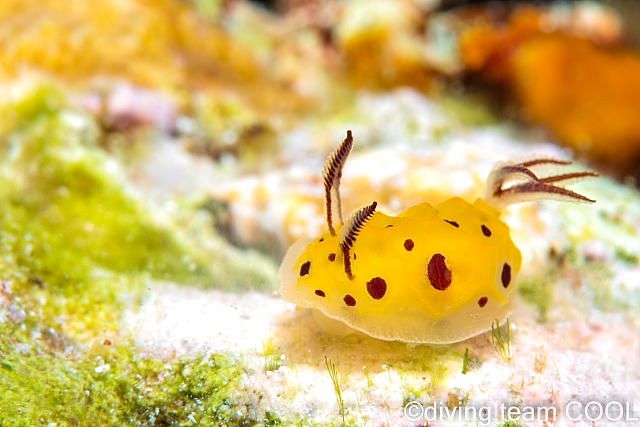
[488,48]
[586,94]
[583,91]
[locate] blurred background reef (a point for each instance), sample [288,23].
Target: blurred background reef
[154,141]
[235,66]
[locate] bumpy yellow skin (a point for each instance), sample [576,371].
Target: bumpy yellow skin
[477,266]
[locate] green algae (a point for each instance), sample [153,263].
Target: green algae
[501,340]
[625,256]
[469,110]
[72,226]
[77,248]
[537,292]
[37,103]
[465,361]
[272,360]
[231,268]
[333,373]
[73,241]
[115,388]
[74,193]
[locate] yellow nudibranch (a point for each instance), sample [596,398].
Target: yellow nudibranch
[433,274]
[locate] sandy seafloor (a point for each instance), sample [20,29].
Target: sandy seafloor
[585,348]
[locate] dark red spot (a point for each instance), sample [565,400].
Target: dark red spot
[354,256]
[349,300]
[483,301]
[304,269]
[438,272]
[320,293]
[332,257]
[506,275]
[106,342]
[455,224]
[390,225]
[408,244]
[486,231]
[377,287]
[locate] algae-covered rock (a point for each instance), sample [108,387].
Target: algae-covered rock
[78,244]
[79,197]
[116,387]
